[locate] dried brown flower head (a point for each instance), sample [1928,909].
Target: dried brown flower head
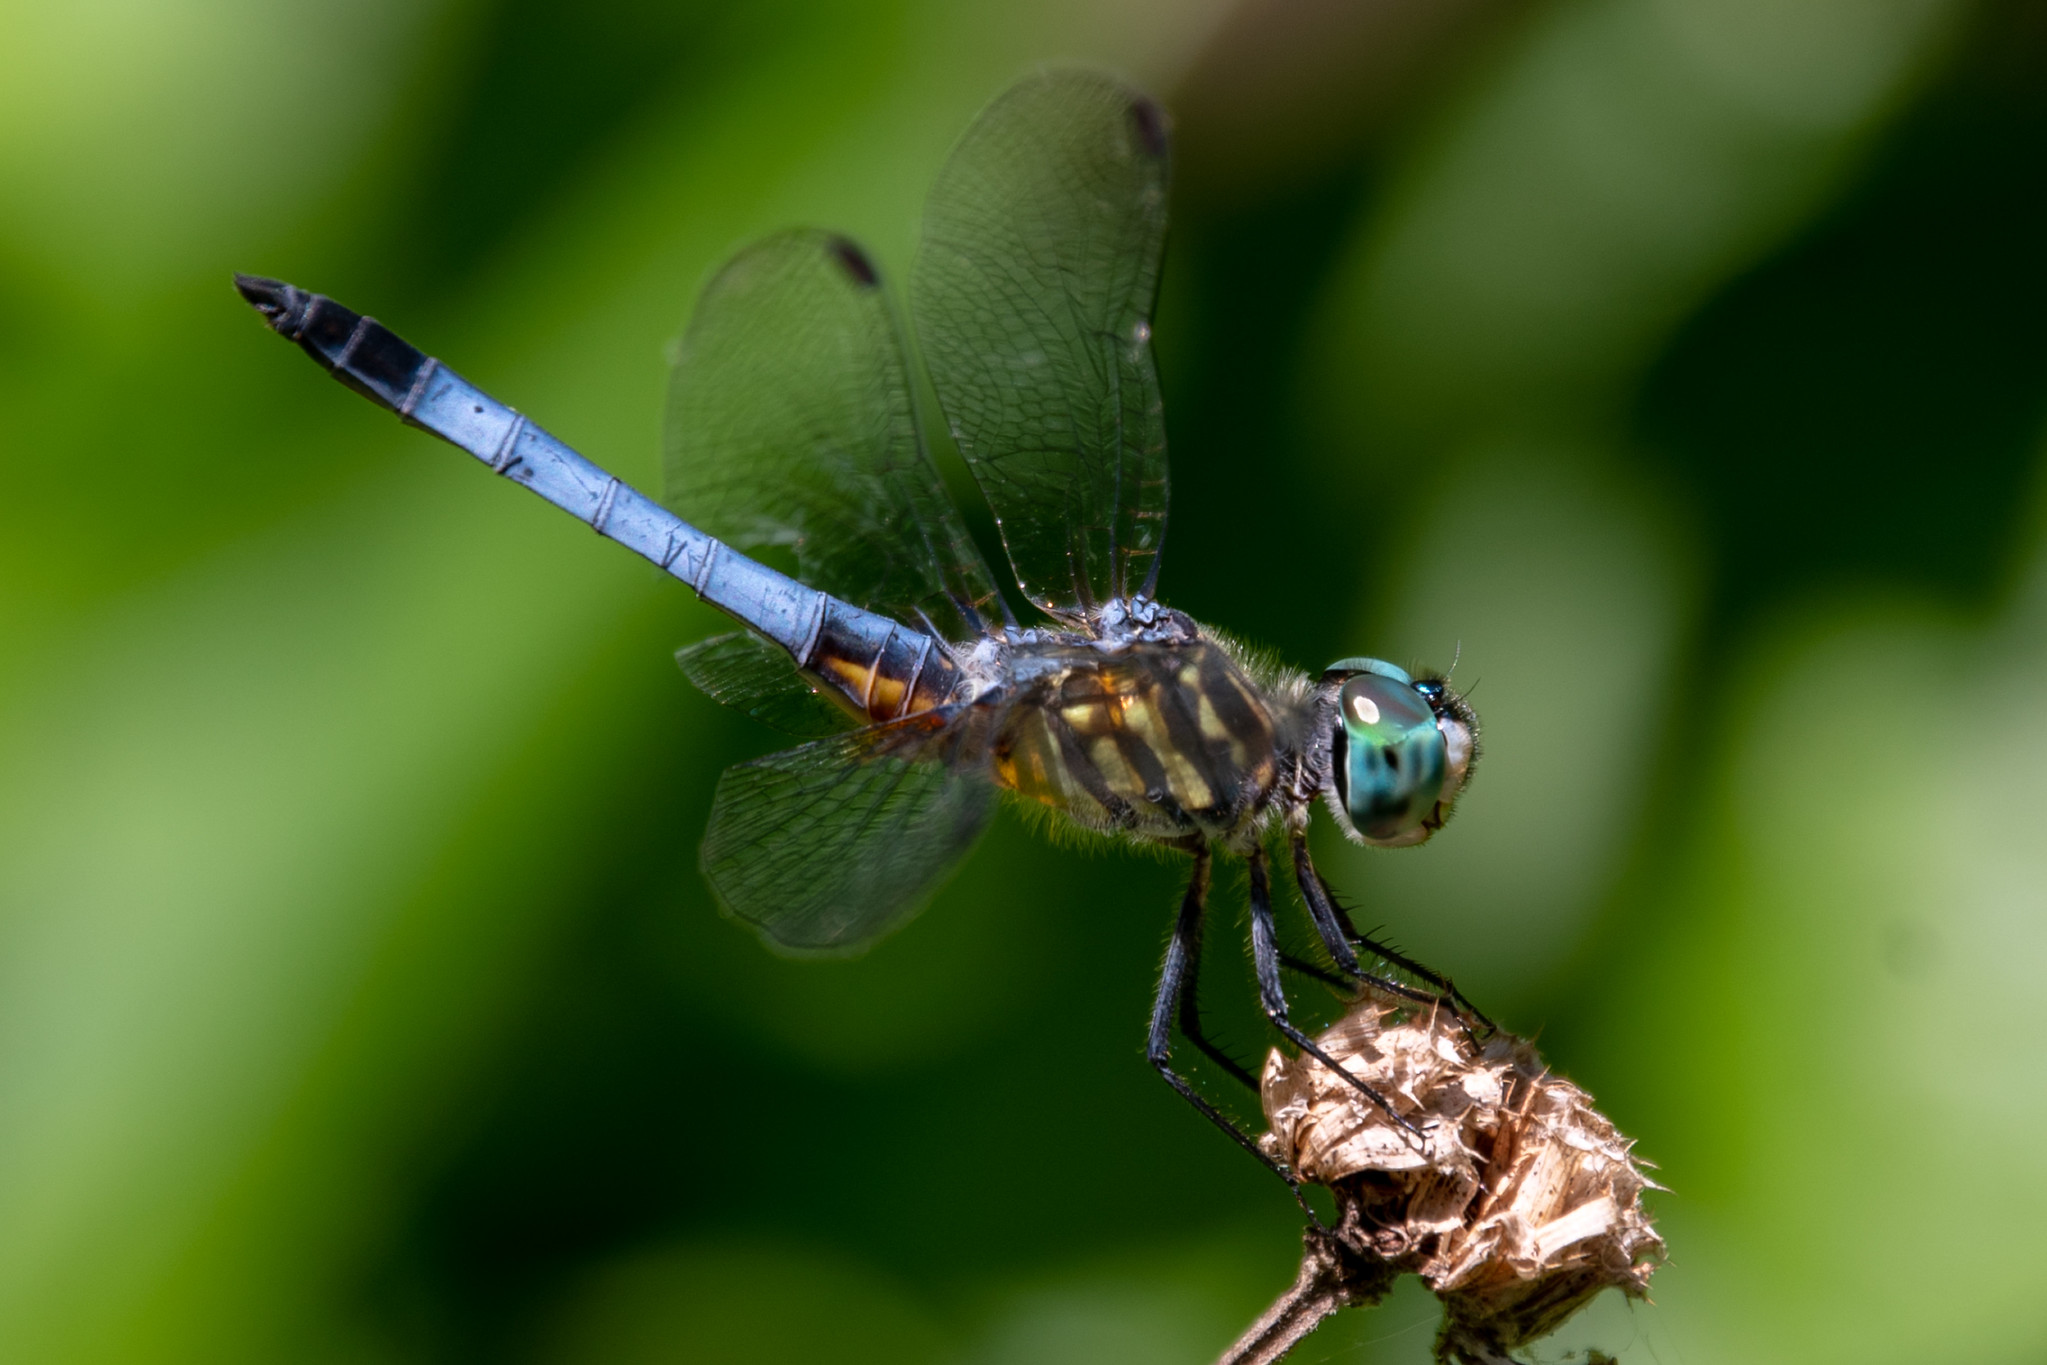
[1517,1203]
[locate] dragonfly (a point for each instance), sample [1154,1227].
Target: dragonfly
[794,425]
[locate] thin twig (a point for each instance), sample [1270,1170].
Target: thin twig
[1331,1277]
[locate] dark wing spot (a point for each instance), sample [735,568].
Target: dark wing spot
[1149,123]
[854,262]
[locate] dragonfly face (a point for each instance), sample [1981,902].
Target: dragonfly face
[793,423]
[1400,752]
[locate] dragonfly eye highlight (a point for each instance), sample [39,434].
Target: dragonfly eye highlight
[1400,750]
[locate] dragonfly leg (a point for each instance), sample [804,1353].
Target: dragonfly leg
[1315,973]
[1272,994]
[1176,991]
[1336,935]
[1333,925]
[1190,932]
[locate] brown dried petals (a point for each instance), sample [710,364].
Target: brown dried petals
[1518,1203]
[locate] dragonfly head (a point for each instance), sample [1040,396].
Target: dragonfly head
[1400,751]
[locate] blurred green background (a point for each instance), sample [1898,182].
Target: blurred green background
[1681,362]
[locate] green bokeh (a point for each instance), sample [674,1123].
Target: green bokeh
[359,1000]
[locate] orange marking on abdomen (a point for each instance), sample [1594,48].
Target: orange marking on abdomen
[885,701]
[851,677]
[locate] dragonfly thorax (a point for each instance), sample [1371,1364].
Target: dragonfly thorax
[1156,732]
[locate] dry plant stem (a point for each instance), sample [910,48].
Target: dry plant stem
[1519,1204]
[1331,1278]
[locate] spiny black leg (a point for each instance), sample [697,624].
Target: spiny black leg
[1337,945]
[1329,928]
[1272,994]
[1313,972]
[1190,991]
[1177,981]
[1333,922]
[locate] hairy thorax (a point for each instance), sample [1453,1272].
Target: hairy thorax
[1147,728]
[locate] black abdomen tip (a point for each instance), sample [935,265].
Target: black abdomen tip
[282,305]
[358,351]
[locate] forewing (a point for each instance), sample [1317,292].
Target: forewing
[1032,303]
[828,846]
[790,422]
[756,676]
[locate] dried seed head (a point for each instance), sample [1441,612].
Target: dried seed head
[1517,1205]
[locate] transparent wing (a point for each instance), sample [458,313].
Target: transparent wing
[757,676]
[1032,302]
[790,422]
[830,845]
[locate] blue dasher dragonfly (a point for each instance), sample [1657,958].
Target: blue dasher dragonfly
[793,422]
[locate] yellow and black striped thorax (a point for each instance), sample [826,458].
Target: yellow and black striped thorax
[1160,740]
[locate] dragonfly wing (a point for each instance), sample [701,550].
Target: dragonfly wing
[790,422]
[757,676]
[1032,302]
[828,846]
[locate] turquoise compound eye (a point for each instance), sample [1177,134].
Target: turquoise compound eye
[1389,758]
